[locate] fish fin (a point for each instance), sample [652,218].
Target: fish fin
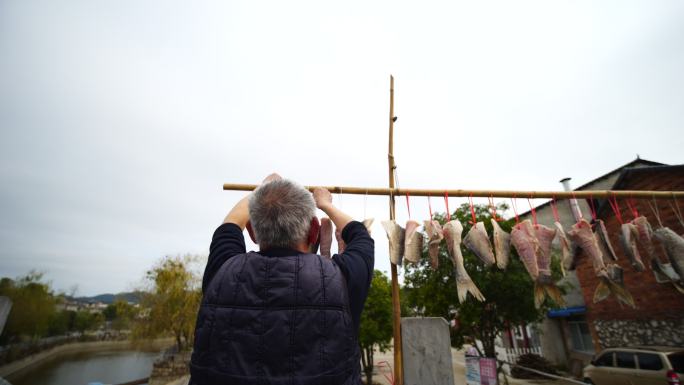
[538,295]
[553,292]
[607,287]
[468,286]
[602,291]
[542,290]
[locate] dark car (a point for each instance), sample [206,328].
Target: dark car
[641,365]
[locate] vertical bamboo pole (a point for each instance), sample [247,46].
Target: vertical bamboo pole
[396,309]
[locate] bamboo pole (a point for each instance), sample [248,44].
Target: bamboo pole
[396,308]
[637,194]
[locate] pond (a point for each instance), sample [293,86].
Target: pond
[113,367]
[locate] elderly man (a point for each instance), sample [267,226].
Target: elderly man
[282,315]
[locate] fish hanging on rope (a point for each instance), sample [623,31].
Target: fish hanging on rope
[435,235]
[477,241]
[527,246]
[604,240]
[395,235]
[628,236]
[544,285]
[674,247]
[413,242]
[464,284]
[502,245]
[326,235]
[566,248]
[645,236]
[582,235]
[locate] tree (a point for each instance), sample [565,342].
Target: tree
[508,293]
[171,303]
[85,320]
[376,322]
[120,314]
[33,306]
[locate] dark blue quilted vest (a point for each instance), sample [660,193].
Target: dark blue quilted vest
[276,320]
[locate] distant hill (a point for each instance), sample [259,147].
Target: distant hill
[133,296]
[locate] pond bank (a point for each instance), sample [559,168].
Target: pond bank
[78,347]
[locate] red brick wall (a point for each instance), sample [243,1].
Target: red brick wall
[654,300]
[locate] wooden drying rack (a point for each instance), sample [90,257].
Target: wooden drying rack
[637,194]
[393,192]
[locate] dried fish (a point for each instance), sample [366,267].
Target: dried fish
[645,236]
[413,242]
[464,284]
[527,245]
[326,234]
[435,236]
[477,241]
[674,247]
[628,235]
[395,235]
[502,245]
[567,255]
[544,284]
[604,240]
[582,235]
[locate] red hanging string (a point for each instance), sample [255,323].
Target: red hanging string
[472,209]
[616,208]
[430,206]
[534,213]
[446,202]
[592,208]
[515,210]
[554,207]
[408,205]
[632,207]
[492,206]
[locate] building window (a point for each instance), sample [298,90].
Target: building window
[580,336]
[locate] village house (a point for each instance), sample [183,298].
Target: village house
[571,335]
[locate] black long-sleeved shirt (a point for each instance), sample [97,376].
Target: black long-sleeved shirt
[356,262]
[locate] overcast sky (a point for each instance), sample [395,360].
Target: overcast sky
[120,120]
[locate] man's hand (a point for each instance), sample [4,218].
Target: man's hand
[323,198]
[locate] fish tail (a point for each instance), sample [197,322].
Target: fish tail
[542,290]
[468,286]
[538,295]
[607,287]
[553,292]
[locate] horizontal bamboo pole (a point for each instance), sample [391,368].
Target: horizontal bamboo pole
[481,193]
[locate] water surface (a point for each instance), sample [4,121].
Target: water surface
[112,367]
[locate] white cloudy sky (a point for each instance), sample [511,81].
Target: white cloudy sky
[120,120]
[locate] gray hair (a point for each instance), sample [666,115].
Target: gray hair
[280,213]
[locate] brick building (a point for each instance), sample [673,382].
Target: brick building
[659,315]
[570,336]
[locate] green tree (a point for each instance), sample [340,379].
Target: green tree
[509,293]
[170,305]
[85,320]
[376,322]
[33,306]
[121,313]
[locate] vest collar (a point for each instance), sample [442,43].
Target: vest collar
[278,252]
